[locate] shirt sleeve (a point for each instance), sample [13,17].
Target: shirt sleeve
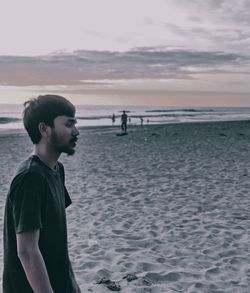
[27,202]
[68,200]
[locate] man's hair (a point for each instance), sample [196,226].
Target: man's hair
[44,109]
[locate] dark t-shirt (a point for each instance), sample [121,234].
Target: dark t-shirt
[124,118]
[37,200]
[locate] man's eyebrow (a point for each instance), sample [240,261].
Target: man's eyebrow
[72,120]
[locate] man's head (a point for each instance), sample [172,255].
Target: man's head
[51,118]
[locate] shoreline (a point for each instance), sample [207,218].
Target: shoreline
[4,132]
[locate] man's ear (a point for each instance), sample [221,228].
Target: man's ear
[43,128]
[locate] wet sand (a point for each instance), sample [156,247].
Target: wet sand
[169,204]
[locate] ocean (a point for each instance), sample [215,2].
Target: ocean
[11,115]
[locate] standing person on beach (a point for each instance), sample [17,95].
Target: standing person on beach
[35,233]
[124,119]
[113,119]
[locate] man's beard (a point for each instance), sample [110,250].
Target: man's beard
[62,148]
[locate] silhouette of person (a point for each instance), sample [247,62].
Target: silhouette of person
[124,119]
[113,119]
[141,121]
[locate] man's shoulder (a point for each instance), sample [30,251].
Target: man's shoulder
[31,164]
[28,172]
[31,167]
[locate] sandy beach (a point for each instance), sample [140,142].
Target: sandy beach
[167,204]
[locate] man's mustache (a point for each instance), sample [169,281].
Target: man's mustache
[74,139]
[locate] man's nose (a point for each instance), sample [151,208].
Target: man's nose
[76,131]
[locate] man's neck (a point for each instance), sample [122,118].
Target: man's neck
[48,156]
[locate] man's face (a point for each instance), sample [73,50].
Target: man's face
[64,135]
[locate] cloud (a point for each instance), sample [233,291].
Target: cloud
[138,63]
[176,29]
[215,24]
[195,19]
[211,25]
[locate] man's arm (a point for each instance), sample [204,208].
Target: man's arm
[73,280]
[32,261]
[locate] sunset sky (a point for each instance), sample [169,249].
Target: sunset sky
[130,52]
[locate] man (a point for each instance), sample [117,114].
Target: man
[124,119]
[35,234]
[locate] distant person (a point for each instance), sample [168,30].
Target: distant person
[124,119]
[141,120]
[148,121]
[113,119]
[36,257]
[129,120]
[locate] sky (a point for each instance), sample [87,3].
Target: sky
[127,52]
